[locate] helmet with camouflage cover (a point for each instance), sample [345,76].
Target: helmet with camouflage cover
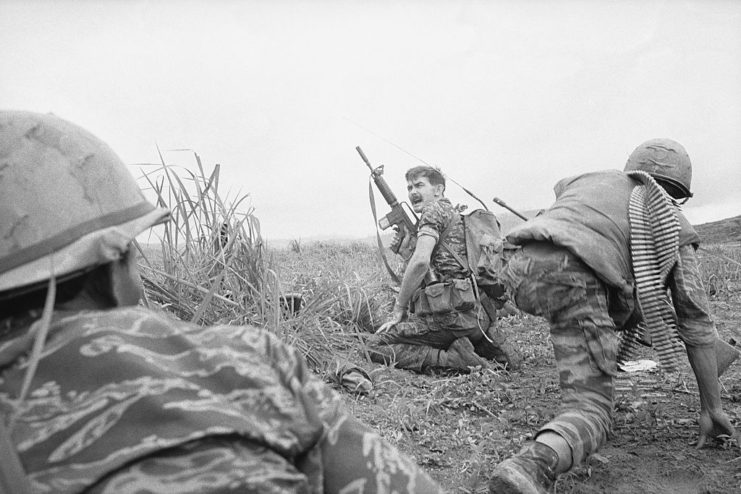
[665,160]
[67,202]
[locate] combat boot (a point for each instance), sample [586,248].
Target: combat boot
[460,355]
[498,347]
[531,471]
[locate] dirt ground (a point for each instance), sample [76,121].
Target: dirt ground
[459,426]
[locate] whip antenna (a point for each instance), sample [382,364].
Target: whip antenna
[389,141]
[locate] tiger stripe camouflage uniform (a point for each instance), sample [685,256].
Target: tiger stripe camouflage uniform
[417,343]
[130,400]
[574,269]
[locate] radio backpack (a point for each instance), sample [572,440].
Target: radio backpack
[484,251]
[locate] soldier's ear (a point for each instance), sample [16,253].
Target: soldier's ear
[125,282]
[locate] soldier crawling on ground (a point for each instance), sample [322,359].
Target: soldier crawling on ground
[600,260]
[451,338]
[117,398]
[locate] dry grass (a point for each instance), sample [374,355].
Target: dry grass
[456,426]
[212,266]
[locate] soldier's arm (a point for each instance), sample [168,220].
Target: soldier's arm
[691,301]
[351,456]
[343,456]
[699,334]
[414,273]
[416,270]
[365,462]
[693,318]
[209,465]
[356,458]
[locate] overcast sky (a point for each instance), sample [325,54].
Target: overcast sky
[506,97]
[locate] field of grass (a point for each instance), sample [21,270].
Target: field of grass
[213,267]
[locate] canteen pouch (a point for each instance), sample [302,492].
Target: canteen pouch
[463,295]
[439,297]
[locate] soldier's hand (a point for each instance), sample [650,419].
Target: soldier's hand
[386,326]
[396,240]
[713,425]
[399,314]
[402,243]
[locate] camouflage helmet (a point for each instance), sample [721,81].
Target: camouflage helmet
[663,159]
[67,202]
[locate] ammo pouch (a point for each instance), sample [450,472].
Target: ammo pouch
[444,298]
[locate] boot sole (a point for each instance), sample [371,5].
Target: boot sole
[510,480]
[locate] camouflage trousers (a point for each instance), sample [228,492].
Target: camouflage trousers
[548,281]
[417,343]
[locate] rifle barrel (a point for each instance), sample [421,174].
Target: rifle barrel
[362,155]
[377,173]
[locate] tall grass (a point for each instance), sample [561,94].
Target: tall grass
[211,263]
[212,266]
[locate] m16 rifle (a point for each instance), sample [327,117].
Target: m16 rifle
[402,216]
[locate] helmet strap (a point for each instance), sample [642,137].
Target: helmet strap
[41,329]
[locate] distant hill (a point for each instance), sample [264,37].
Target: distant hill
[722,231]
[715,232]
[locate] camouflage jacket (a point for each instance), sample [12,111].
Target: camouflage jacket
[129,400]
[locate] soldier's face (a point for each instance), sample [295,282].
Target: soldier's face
[421,192]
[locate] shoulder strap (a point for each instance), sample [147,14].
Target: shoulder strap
[444,245]
[378,235]
[469,273]
[458,259]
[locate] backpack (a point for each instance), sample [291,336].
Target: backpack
[484,251]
